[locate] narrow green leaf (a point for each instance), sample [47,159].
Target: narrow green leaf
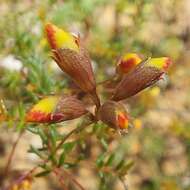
[43,136]
[32,129]
[53,159]
[104,143]
[100,160]
[43,173]
[35,151]
[53,135]
[21,113]
[95,127]
[61,159]
[124,170]
[110,160]
[43,149]
[20,125]
[120,164]
[101,174]
[69,165]
[68,146]
[21,110]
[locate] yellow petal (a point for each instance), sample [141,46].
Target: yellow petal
[58,38]
[41,112]
[160,63]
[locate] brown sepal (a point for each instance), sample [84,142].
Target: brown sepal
[78,66]
[138,79]
[108,113]
[69,107]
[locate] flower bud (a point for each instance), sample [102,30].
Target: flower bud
[136,80]
[54,109]
[58,38]
[127,63]
[73,59]
[114,115]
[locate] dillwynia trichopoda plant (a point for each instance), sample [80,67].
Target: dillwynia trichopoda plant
[132,75]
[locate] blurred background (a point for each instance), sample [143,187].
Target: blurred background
[159,143]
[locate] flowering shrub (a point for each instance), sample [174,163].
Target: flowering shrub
[132,75]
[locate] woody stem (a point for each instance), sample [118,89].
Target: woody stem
[7,167]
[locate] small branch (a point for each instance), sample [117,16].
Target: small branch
[76,130]
[105,81]
[22,178]
[125,186]
[114,79]
[7,167]
[74,180]
[71,177]
[61,180]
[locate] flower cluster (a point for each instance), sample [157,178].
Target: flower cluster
[68,51]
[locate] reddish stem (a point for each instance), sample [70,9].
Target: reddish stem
[58,170]
[60,179]
[7,167]
[45,161]
[22,178]
[74,180]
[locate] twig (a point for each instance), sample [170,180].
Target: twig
[71,177]
[125,186]
[23,177]
[60,179]
[106,81]
[76,130]
[7,167]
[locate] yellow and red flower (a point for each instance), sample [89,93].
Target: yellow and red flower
[55,109]
[127,62]
[141,77]
[58,38]
[130,60]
